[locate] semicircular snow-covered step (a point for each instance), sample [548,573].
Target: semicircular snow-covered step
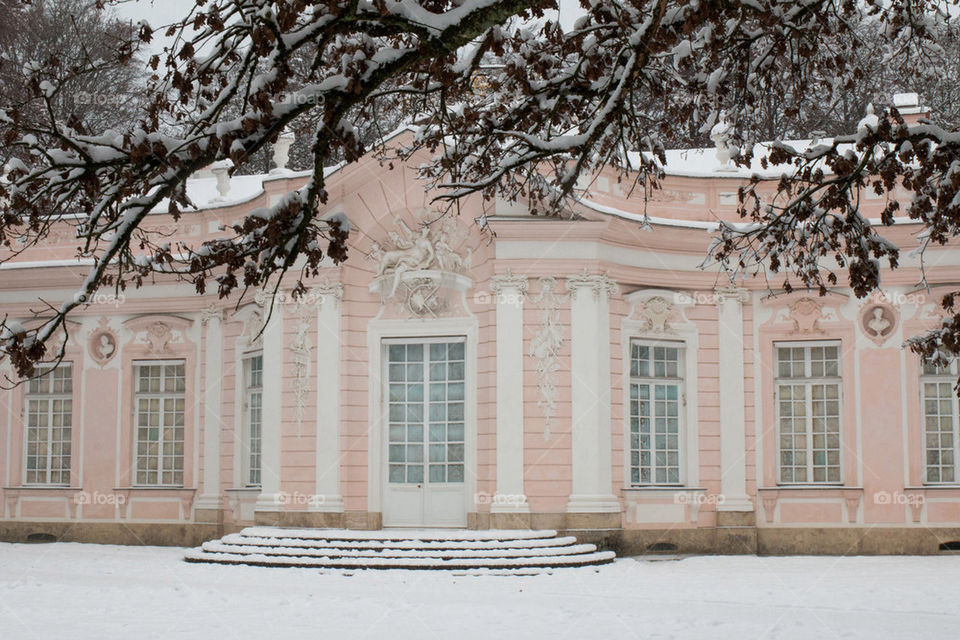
[440,535]
[507,552]
[527,543]
[584,559]
[331,552]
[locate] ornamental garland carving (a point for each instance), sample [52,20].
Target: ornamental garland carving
[545,347]
[300,351]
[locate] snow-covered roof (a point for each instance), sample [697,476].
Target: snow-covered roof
[203,192]
[202,189]
[703,163]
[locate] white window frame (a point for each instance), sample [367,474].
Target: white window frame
[808,381]
[50,397]
[650,381]
[161,448]
[247,407]
[948,377]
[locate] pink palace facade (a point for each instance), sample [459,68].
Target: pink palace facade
[583,374]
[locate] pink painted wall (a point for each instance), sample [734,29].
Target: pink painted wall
[882,427]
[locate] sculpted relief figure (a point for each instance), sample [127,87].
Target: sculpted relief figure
[405,251]
[411,256]
[878,324]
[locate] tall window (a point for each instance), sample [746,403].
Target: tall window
[656,393]
[808,412]
[253,416]
[49,415]
[160,400]
[940,422]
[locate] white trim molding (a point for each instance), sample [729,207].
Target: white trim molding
[733,441]
[329,295]
[211,318]
[590,394]
[510,290]
[272,437]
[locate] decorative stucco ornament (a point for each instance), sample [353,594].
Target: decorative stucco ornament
[806,314]
[545,348]
[300,351]
[878,319]
[596,284]
[158,337]
[103,343]
[414,268]
[655,315]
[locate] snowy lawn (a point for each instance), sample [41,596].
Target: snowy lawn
[81,591]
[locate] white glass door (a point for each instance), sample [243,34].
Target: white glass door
[425,465]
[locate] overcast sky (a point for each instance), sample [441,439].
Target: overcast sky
[157,13]
[162,12]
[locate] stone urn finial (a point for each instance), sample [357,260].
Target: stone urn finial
[221,171]
[721,134]
[281,151]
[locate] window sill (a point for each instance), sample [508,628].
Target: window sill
[933,487]
[813,486]
[26,488]
[243,490]
[675,488]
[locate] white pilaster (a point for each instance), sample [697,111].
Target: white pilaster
[328,496]
[271,438]
[733,441]
[209,497]
[510,497]
[590,393]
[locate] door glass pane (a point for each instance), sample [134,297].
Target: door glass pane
[439,398]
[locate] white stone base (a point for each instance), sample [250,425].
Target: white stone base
[509,504]
[593,504]
[208,502]
[331,503]
[735,504]
[269,502]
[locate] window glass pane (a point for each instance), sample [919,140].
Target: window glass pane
[939,406]
[48,411]
[655,460]
[808,413]
[161,406]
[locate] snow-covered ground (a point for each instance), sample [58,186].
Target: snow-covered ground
[81,591]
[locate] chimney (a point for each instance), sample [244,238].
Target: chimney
[908,104]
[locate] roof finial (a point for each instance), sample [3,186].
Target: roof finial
[281,151]
[721,134]
[221,170]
